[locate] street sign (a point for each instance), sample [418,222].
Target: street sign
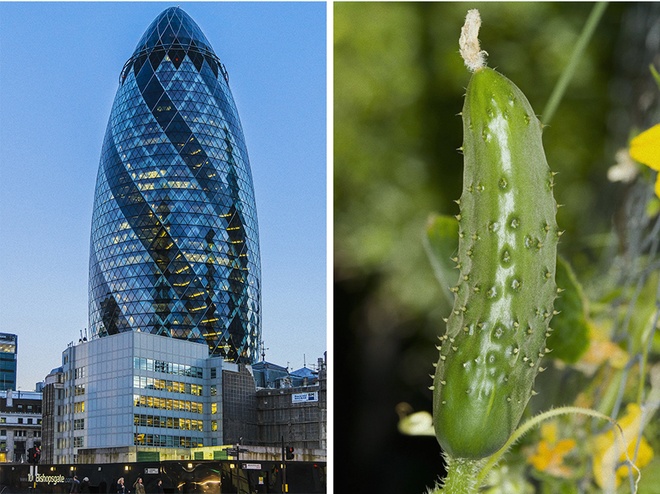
[251,466]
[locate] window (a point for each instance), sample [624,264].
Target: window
[78,442]
[213,373]
[79,424]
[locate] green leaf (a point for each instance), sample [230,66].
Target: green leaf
[641,314]
[441,244]
[570,338]
[650,481]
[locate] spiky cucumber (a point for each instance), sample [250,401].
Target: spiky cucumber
[496,332]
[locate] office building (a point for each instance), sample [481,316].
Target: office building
[174,242]
[134,397]
[8,354]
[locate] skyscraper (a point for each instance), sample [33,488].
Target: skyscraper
[174,242]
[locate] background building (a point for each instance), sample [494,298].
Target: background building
[52,407]
[294,412]
[174,242]
[8,353]
[20,424]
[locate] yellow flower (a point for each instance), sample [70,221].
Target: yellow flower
[549,455]
[645,148]
[608,449]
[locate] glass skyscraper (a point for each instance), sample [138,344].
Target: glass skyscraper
[174,242]
[8,354]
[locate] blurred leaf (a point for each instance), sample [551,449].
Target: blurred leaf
[441,244]
[570,338]
[642,314]
[650,481]
[655,74]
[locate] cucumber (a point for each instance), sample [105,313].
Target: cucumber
[503,303]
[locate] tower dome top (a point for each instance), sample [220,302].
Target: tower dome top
[173,28]
[173,34]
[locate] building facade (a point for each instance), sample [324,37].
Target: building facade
[294,411]
[140,397]
[174,244]
[53,401]
[8,354]
[136,396]
[20,424]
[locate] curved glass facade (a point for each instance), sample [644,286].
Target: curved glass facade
[174,241]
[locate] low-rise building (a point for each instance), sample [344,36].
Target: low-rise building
[20,424]
[141,397]
[295,412]
[136,396]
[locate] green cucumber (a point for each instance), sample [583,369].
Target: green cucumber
[503,302]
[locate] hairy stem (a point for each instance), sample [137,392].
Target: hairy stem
[530,424]
[461,476]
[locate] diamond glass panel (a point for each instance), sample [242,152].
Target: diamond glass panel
[174,241]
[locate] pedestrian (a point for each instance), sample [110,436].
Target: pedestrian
[75,485]
[84,485]
[139,486]
[121,488]
[159,487]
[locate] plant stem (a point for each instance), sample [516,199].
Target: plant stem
[531,423]
[560,88]
[461,476]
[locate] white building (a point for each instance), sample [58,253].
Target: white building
[136,396]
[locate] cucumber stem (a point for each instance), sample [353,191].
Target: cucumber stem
[461,476]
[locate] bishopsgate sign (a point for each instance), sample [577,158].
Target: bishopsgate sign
[41,478]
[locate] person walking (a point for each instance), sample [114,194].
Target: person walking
[75,485]
[159,487]
[139,486]
[84,485]
[121,488]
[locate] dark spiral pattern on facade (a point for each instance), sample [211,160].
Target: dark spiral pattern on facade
[174,242]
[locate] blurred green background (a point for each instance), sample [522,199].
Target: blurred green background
[398,87]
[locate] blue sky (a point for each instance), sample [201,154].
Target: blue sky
[59,71]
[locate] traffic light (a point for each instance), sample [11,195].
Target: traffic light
[289,452]
[30,455]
